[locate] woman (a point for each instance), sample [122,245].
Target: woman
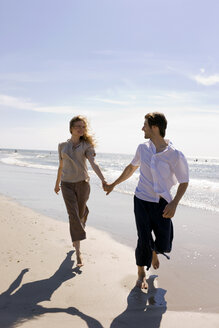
[73,175]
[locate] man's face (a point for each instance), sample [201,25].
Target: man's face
[147,130]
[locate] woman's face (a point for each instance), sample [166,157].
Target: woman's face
[78,129]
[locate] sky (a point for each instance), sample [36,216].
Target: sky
[112,61]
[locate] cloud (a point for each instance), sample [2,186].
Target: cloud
[25,104]
[111,101]
[206,80]
[14,102]
[56,109]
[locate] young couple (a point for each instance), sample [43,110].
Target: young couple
[161,166]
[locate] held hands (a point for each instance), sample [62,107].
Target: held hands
[107,187]
[169,210]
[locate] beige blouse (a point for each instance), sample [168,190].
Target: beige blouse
[74,160]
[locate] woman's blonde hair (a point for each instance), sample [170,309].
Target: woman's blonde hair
[88,137]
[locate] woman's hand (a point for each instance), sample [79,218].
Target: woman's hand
[108,187]
[57,189]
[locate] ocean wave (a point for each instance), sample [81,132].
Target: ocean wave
[201,194]
[16,161]
[185,202]
[204,185]
[210,162]
[42,156]
[203,190]
[199,205]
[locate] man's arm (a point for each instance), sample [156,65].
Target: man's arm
[127,173]
[170,208]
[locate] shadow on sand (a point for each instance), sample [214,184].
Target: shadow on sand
[144,310]
[18,305]
[23,304]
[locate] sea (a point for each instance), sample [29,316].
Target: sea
[28,178]
[203,191]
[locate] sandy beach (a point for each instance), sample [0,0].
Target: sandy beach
[41,285]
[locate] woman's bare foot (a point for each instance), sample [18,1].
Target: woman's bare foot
[141,281]
[83,222]
[79,260]
[155,261]
[76,244]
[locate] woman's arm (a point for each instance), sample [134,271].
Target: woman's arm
[59,173]
[96,169]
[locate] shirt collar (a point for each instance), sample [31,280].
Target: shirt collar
[153,148]
[72,145]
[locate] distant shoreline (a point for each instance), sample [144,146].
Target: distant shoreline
[189,157]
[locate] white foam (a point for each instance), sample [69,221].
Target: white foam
[205,185]
[42,156]
[202,193]
[15,161]
[203,161]
[200,205]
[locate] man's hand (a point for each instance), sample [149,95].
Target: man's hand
[108,188]
[169,210]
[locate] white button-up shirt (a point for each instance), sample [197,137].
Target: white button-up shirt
[159,171]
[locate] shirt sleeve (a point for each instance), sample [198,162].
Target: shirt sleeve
[181,169]
[137,158]
[90,152]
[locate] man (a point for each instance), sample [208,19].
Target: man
[161,166]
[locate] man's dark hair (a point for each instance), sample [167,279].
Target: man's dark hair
[159,120]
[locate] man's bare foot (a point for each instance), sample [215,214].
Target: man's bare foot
[141,282]
[155,261]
